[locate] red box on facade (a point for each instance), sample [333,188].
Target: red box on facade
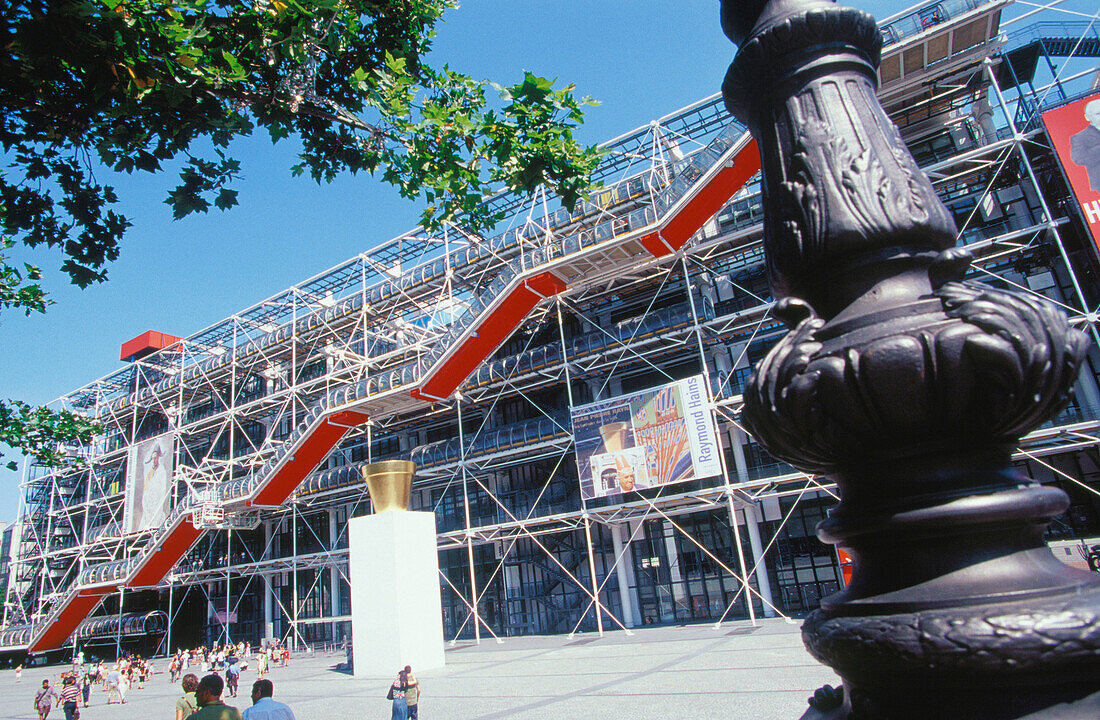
[145,344]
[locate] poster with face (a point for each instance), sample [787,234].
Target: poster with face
[647,439]
[148,484]
[1074,130]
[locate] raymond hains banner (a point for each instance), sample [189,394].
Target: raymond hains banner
[646,439]
[1074,130]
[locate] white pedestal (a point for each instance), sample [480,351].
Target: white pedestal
[397,617]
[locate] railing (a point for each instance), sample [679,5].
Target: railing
[909,23]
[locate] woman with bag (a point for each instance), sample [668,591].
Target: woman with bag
[397,694]
[188,704]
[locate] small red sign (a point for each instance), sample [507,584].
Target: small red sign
[845,566]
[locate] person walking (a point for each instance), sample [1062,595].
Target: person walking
[263,707]
[187,704]
[412,693]
[19,672]
[124,681]
[399,710]
[70,698]
[232,675]
[209,697]
[44,699]
[86,687]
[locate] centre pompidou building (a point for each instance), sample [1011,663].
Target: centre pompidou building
[215,503]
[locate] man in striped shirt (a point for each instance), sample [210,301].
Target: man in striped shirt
[70,696]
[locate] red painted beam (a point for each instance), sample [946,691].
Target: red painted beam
[654,245]
[546,284]
[308,456]
[167,553]
[708,201]
[70,618]
[492,331]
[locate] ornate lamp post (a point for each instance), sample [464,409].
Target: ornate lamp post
[911,387]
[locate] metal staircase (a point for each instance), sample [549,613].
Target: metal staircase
[700,185]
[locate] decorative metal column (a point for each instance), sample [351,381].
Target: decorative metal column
[911,387]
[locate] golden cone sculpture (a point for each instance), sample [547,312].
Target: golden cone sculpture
[390,484]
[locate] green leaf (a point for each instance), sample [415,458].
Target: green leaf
[226,199]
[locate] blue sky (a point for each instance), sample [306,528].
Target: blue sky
[641,59]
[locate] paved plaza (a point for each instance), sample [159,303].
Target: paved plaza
[735,672]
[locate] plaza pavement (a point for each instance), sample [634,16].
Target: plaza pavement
[736,672]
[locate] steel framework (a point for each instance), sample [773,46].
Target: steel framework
[465,353]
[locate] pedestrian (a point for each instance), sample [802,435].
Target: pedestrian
[187,704]
[124,682]
[232,675]
[412,692]
[209,697]
[263,707]
[70,698]
[86,687]
[19,672]
[399,710]
[115,692]
[44,699]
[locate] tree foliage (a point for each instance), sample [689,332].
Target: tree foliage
[43,433]
[130,86]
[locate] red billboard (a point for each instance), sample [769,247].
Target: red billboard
[1074,129]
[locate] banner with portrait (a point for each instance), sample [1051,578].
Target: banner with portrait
[1074,130]
[646,439]
[148,484]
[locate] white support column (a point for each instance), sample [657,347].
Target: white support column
[597,606]
[292,639]
[753,517]
[118,631]
[269,619]
[469,535]
[334,570]
[171,617]
[679,596]
[228,580]
[210,621]
[632,530]
[269,610]
[626,592]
